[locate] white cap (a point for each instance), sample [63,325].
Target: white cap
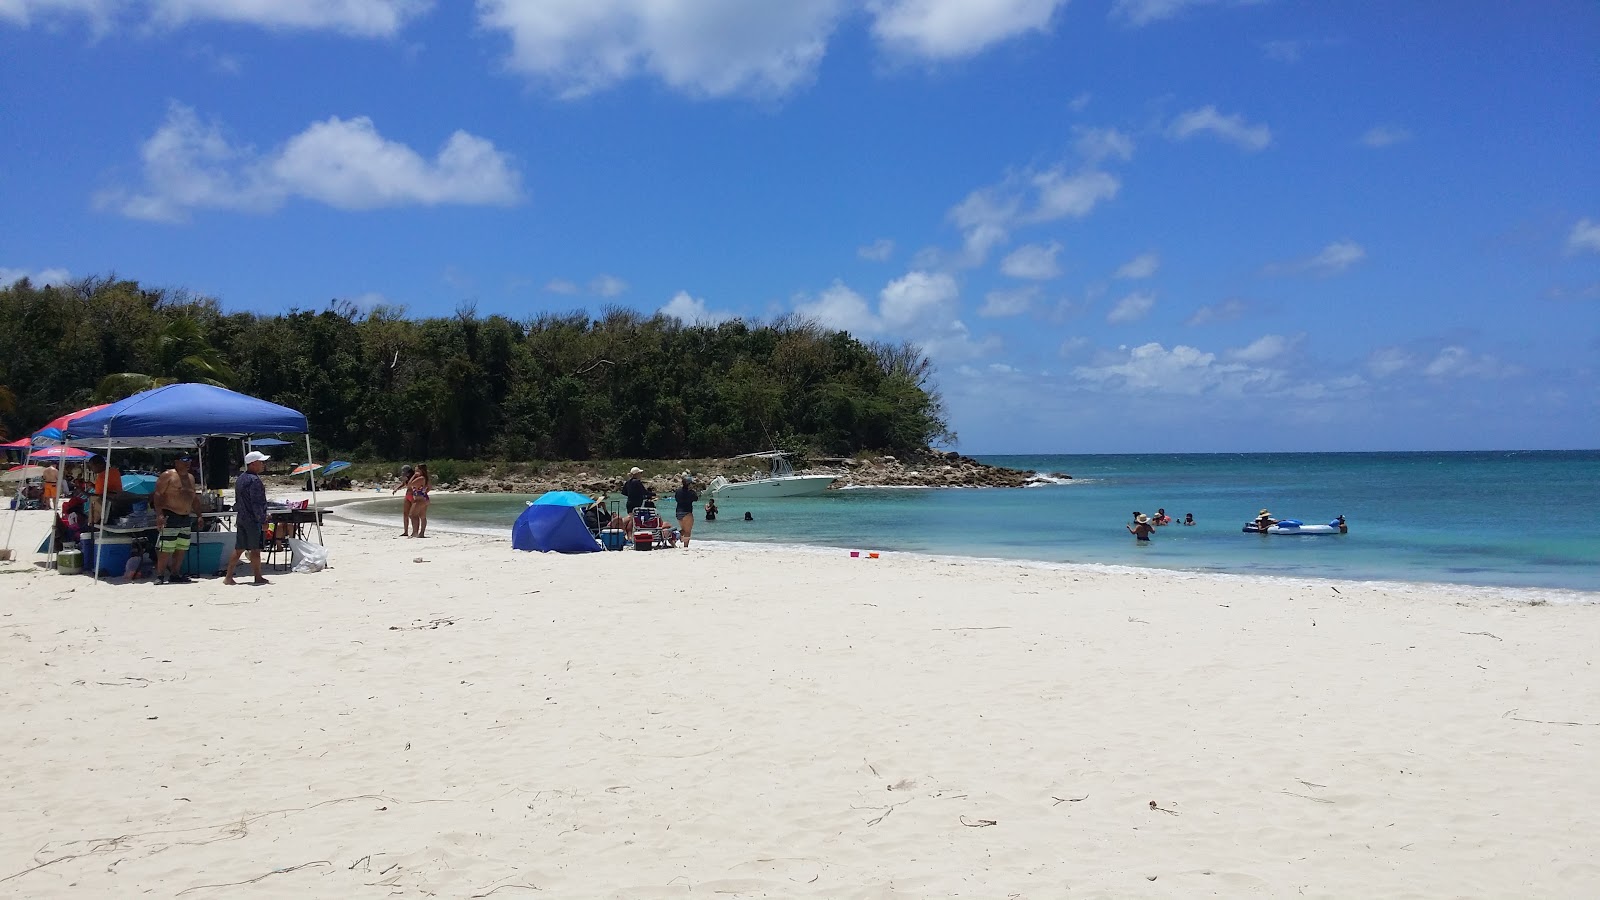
[255,456]
[635,470]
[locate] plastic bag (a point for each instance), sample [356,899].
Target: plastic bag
[306,556]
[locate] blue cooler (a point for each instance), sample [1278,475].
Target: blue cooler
[613,538]
[108,554]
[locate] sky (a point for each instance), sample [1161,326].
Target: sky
[1114,225]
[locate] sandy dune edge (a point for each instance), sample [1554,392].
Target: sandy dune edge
[729,722]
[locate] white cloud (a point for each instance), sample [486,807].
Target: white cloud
[1140,267]
[1330,260]
[560,286]
[347,164]
[1385,136]
[952,29]
[1585,237]
[607,286]
[1263,349]
[1012,302]
[1459,362]
[1139,13]
[1072,345]
[878,251]
[694,311]
[1036,262]
[1071,196]
[841,309]
[37,277]
[361,18]
[1099,144]
[1226,311]
[1451,362]
[1131,308]
[1080,101]
[713,48]
[1232,129]
[1389,361]
[1185,371]
[918,297]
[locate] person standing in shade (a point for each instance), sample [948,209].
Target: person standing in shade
[175,501]
[633,489]
[1141,529]
[685,496]
[250,506]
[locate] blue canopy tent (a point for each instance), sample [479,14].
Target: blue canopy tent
[552,522]
[182,416]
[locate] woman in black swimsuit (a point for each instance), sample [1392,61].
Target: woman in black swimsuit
[685,497]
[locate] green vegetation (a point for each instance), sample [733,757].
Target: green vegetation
[377,385]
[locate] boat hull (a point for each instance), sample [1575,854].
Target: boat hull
[767,488]
[1296,529]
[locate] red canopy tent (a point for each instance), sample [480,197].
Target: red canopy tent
[60,423]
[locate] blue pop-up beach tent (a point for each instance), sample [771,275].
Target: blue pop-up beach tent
[182,416]
[553,523]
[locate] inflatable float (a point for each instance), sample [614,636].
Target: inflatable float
[1295,526]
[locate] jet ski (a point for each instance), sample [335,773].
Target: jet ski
[1295,526]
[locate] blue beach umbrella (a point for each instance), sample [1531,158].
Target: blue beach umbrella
[563,498]
[139,484]
[337,465]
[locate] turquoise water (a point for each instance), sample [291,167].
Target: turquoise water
[1513,519]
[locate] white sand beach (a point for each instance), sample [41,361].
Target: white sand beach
[448,717]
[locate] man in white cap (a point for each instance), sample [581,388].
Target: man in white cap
[634,489]
[250,516]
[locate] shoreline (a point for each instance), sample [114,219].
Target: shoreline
[1506,593]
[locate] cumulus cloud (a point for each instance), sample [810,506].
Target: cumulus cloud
[607,286]
[1266,348]
[1330,260]
[360,18]
[1035,262]
[840,308]
[1139,13]
[1011,302]
[1585,237]
[1131,308]
[918,297]
[694,310]
[878,251]
[714,48]
[1226,311]
[1186,371]
[561,286]
[988,215]
[953,29]
[1233,129]
[344,163]
[36,277]
[1384,136]
[1140,267]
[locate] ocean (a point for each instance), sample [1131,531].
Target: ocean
[1516,519]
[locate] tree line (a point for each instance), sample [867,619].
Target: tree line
[378,385]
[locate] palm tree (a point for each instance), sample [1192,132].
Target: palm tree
[181,353]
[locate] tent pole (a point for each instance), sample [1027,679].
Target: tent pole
[316,515]
[105,515]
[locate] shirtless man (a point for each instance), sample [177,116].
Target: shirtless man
[176,502]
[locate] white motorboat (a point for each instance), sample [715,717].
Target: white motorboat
[780,481]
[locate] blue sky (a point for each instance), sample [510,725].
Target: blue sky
[1116,225]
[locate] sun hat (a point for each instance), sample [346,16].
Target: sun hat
[255,456]
[635,471]
[1143,520]
[1263,513]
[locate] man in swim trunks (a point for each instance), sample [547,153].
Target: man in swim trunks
[175,501]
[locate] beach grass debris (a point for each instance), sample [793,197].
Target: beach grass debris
[980,823]
[1170,812]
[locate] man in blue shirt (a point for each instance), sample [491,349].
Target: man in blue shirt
[250,516]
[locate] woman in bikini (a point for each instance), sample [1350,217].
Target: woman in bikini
[418,492]
[406,474]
